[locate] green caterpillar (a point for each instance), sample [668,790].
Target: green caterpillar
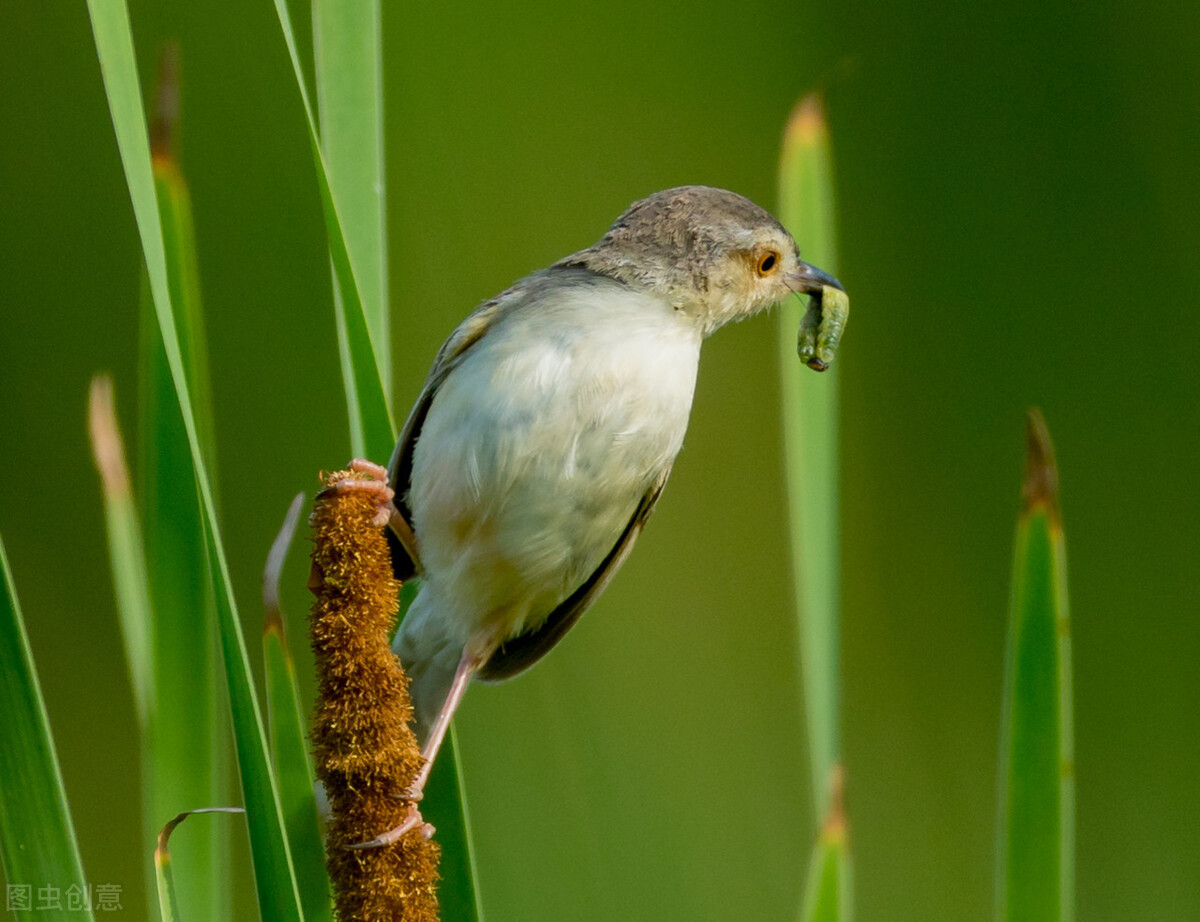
[822,326]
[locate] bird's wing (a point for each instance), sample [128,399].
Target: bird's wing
[522,295]
[520,652]
[469,332]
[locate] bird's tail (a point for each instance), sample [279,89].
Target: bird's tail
[430,659]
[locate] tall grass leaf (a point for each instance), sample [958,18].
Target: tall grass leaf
[372,433]
[289,737]
[1035,862]
[445,804]
[186,750]
[347,46]
[274,878]
[168,897]
[179,244]
[827,892]
[810,406]
[125,548]
[826,897]
[38,847]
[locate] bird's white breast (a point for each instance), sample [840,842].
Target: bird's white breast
[538,447]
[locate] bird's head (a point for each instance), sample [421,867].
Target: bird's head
[711,253]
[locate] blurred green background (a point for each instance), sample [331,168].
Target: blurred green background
[1019,187]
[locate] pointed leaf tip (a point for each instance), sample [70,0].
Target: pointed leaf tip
[164,118]
[1041,471]
[272,609]
[162,854]
[834,827]
[806,125]
[106,438]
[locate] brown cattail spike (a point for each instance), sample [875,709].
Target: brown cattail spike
[364,748]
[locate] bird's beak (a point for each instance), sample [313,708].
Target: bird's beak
[806,279]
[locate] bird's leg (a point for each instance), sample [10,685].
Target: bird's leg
[375,482]
[388,514]
[467,667]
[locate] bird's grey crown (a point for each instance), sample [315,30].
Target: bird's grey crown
[672,238]
[692,207]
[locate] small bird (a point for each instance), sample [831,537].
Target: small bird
[547,429]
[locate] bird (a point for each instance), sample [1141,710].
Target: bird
[546,431]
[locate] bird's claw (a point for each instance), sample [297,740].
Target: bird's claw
[412,820]
[375,481]
[414,794]
[363,466]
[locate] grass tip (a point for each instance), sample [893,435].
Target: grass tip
[1040,489]
[806,127]
[272,571]
[162,855]
[164,120]
[107,448]
[833,830]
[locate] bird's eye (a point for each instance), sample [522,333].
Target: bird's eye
[767,262]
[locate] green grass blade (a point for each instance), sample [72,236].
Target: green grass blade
[1035,873]
[274,878]
[289,738]
[827,892]
[186,751]
[445,803]
[372,433]
[37,839]
[810,443]
[445,806]
[168,897]
[347,48]
[290,757]
[179,245]
[125,548]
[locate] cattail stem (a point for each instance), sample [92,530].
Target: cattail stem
[365,752]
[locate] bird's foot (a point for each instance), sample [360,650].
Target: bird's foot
[412,820]
[415,792]
[375,481]
[363,466]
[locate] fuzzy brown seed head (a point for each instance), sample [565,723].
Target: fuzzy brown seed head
[365,751]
